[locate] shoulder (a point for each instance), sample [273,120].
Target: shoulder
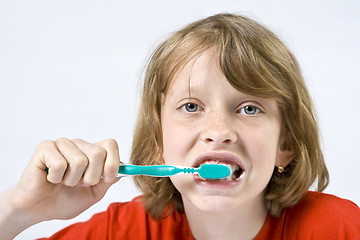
[321,214]
[134,206]
[130,219]
[327,206]
[128,215]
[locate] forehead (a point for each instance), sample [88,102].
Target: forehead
[202,67]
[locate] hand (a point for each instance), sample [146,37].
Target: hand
[65,177]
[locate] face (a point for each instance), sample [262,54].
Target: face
[205,119]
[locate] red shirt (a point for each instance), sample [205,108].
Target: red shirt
[316,216]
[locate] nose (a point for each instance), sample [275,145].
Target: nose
[219,130]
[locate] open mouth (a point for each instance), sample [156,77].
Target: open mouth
[236,170]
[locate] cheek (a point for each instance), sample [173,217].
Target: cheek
[176,142]
[262,145]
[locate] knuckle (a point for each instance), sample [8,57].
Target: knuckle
[76,140]
[45,144]
[62,140]
[97,154]
[58,166]
[110,143]
[80,161]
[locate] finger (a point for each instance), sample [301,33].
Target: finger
[112,161]
[52,160]
[77,161]
[96,157]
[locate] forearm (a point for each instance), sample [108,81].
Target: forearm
[12,220]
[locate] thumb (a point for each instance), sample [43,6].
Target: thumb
[101,188]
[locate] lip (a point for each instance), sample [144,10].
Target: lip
[226,157]
[218,185]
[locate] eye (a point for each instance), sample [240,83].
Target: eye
[250,110]
[190,107]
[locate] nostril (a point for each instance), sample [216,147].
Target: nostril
[209,140]
[225,141]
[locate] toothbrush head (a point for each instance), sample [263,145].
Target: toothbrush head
[213,171]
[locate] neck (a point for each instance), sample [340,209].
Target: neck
[245,222]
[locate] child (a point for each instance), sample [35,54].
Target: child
[221,90]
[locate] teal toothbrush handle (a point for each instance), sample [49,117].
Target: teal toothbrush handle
[153,170]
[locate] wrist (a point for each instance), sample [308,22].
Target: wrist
[12,220]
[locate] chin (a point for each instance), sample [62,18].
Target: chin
[213,203]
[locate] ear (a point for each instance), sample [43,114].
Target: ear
[284,157]
[285,152]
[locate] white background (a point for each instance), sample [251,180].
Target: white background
[73,69]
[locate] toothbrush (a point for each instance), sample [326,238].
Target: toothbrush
[208,171]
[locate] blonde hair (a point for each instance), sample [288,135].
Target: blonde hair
[255,62]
